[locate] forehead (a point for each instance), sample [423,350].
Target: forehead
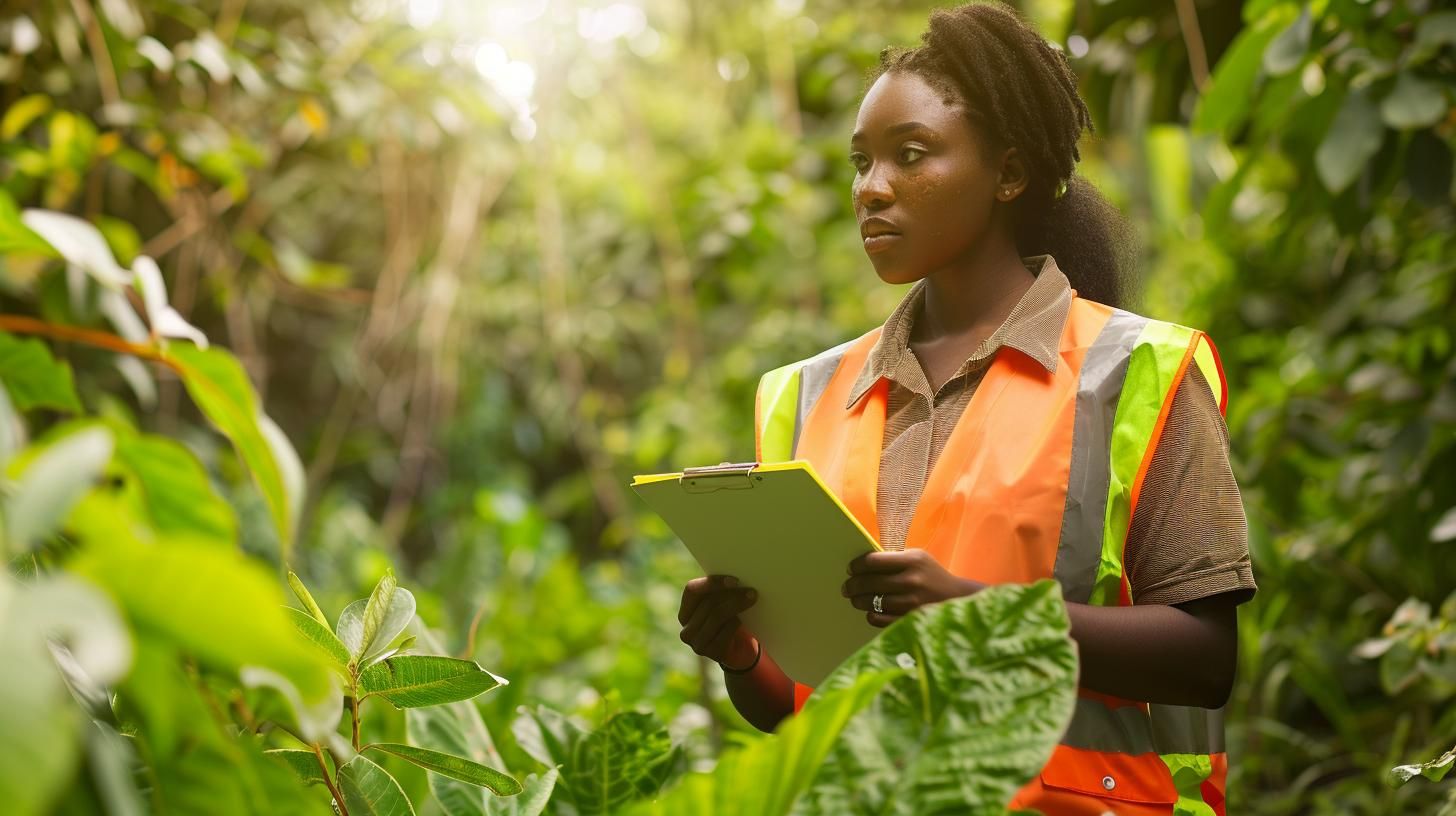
[900,96]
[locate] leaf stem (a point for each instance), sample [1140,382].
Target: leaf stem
[19,324]
[354,710]
[329,781]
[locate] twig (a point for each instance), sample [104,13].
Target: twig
[100,56]
[19,324]
[1193,40]
[329,781]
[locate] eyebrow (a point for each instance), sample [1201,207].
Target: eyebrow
[892,130]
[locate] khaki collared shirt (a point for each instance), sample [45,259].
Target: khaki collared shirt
[1189,537]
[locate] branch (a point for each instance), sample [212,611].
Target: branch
[1193,40]
[19,324]
[100,56]
[329,781]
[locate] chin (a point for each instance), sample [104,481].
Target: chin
[895,273]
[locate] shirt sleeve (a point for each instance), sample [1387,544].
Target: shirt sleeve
[1189,538]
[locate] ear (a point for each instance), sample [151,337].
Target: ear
[1012,177]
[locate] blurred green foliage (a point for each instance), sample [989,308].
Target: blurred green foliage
[484,263]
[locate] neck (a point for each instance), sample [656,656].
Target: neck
[975,296]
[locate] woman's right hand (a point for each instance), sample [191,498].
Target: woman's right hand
[709,617]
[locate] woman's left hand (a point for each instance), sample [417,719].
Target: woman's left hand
[908,580]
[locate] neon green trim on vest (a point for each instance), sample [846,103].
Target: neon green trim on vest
[1189,771]
[778,398]
[1159,351]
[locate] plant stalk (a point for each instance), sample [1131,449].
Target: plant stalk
[328,780]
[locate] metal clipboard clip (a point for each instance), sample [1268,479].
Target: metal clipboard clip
[727,476]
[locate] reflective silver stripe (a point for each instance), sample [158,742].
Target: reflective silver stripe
[1186,730]
[1098,727]
[1098,388]
[814,378]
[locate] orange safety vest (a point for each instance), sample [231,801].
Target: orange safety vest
[1038,479]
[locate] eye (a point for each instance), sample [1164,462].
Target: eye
[858,160]
[917,151]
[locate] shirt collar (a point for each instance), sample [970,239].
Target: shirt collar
[1033,328]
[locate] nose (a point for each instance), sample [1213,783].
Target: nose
[874,192]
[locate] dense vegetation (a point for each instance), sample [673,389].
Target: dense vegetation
[465,270]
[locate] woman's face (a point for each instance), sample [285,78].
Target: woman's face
[919,167]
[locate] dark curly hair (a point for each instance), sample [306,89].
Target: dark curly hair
[1019,91]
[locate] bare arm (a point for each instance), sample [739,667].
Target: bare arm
[1175,655]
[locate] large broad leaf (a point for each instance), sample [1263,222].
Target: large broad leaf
[39,719]
[991,688]
[1287,50]
[410,681]
[457,768]
[1353,138]
[33,377]
[223,393]
[15,236]
[172,487]
[354,626]
[627,758]
[53,481]
[211,602]
[1224,105]
[1414,103]
[369,790]
[458,729]
[768,776]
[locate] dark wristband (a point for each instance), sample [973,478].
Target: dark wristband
[750,666]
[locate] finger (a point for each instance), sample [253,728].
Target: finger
[699,589]
[881,562]
[692,595]
[717,645]
[873,582]
[881,621]
[895,604]
[720,606]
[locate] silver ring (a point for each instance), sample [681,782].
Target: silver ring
[879,604]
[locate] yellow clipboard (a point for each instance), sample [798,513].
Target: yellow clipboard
[778,529]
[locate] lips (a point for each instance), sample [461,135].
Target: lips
[879,234]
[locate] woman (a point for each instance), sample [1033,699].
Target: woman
[1008,424]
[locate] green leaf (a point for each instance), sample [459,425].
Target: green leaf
[458,729]
[410,681]
[369,790]
[1225,102]
[213,603]
[768,776]
[306,598]
[320,636]
[223,393]
[376,610]
[15,236]
[1353,138]
[629,757]
[1434,32]
[33,377]
[303,763]
[1414,103]
[990,689]
[531,802]
[1435,770]
[174,490]
[352,625]
[55,479]
[464,770]
[22,113]
[1287,51]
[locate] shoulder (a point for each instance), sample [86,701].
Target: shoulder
[825,362]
